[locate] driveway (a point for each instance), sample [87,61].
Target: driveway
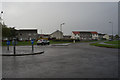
[79,60]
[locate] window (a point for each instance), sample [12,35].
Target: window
[34,34]
[29,34]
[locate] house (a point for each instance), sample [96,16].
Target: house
[67,37]
[106,36]
[100,36]
[47,36]
[56,35]
[26,34]
[103,36]
[84,35]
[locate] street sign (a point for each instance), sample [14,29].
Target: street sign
[14,42]
[32,41]
[8,42]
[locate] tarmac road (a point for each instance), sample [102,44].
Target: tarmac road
[79,60]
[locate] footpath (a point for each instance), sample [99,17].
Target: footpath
[21,50]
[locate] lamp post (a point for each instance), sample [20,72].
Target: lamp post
[61,26]
[1,19]
[112,28]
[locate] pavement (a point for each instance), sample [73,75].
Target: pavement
[21,51]
[79,60]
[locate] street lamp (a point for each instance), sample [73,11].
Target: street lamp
[1,17]
[112,28]
[1,11]
[61,26]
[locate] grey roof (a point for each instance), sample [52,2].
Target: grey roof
[56,31]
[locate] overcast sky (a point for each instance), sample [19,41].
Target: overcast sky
[48,16]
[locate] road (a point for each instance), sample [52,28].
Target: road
[79,60]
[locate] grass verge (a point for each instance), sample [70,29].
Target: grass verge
[112,42]
[104,45]
[25,43]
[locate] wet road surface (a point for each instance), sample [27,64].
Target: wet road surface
[79,60]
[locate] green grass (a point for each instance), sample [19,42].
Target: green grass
[20,43]
[113,42]
[104,45]
[59,42]
[23,43]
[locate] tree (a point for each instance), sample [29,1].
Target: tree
[116,36]
[12,32]
[5,31]
[8,32]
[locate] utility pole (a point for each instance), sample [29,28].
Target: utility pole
[41,31]
[61,26]
[112,28]
[1,17]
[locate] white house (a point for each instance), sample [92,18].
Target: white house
[103,36]
[84,35]
[106,36]
[57,35]
[94,35]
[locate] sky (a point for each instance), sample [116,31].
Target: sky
[77,16]
[60,0]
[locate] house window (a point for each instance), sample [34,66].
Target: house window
[20,34]
[29,34]
[34,34]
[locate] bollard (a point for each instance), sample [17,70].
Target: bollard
[14,45]
[73,41]
[8,43]
[8,47]
[14,50]
[32,48]
[32,41]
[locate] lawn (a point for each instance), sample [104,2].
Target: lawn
[23,43]
[20,43]
[113,42]
[59,42]
[116,45]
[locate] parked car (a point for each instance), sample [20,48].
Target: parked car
[43,42]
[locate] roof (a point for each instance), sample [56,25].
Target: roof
[27,30]
[94,32]
[101,34]
[78,32]
[56,31]
[44,34]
